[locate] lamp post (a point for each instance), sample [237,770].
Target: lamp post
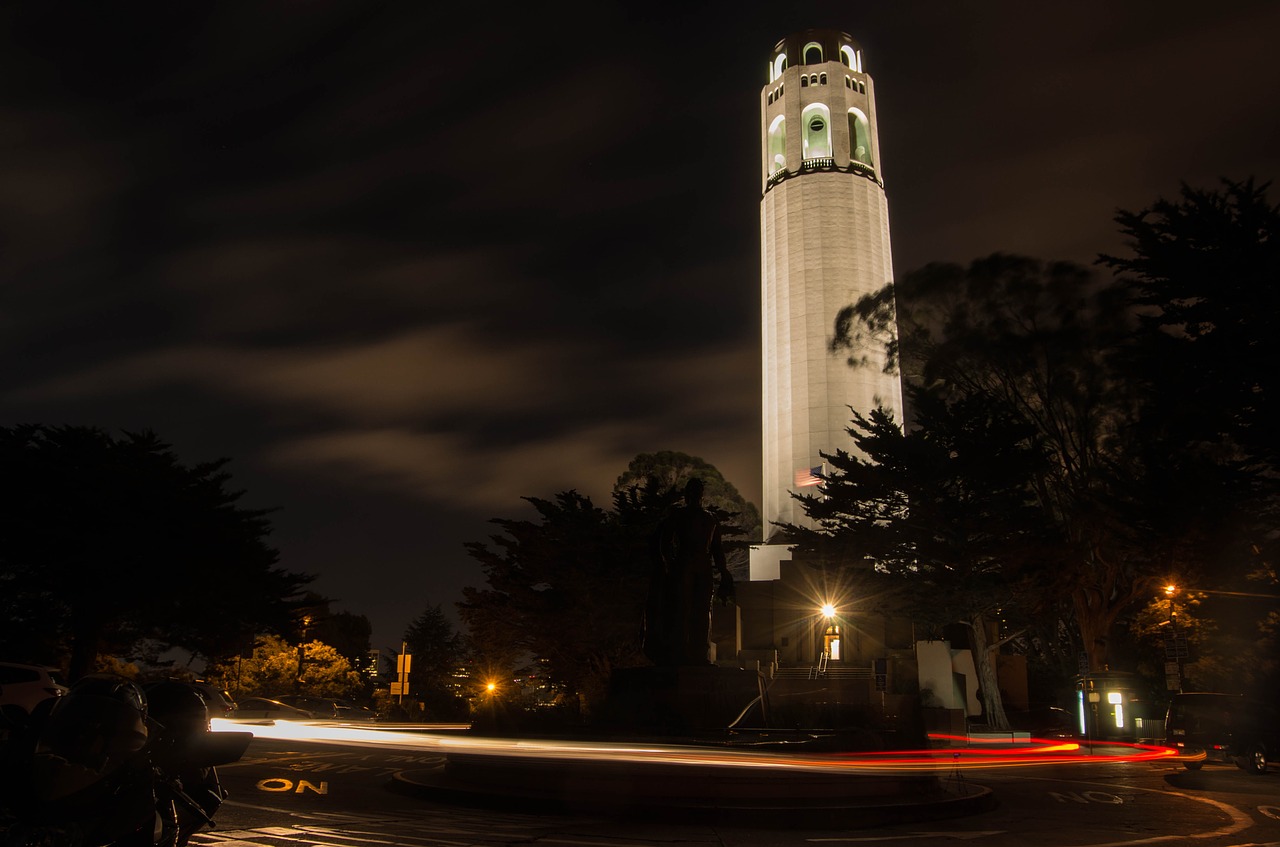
[297,680]
[1175,647]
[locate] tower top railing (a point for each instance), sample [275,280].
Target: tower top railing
[825,164]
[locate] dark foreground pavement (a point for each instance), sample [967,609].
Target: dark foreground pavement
[759,797]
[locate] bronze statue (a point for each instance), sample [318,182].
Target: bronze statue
[678,617]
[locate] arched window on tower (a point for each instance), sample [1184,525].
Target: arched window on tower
[850,58]
[779,64]
[860,138]
[777,145]
[816,120]
[812,53]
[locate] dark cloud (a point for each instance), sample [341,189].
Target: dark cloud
[406,266]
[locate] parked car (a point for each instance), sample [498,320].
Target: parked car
[26,686]
[218,699]
[264,708]
[1045,722]
[1226,728]
[329,707]
[349,711]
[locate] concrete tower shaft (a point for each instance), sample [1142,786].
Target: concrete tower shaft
[824,231]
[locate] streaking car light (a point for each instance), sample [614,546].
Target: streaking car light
[980,753]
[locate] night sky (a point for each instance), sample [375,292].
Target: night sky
[405,267]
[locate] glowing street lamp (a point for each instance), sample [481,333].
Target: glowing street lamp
[828,610]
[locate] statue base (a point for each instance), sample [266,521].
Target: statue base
[679,701]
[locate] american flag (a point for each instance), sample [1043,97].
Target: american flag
[809,476]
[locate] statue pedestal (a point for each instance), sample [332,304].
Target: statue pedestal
[678,701]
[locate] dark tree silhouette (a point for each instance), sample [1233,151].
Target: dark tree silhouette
[111,546]
[570,586]
[438,652]
[1204,275]
[942,520]
[1040,340]
[670,470]
[346,632]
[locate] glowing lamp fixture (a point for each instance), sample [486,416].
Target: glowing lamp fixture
[491,687]
[1170,590]
[828,610]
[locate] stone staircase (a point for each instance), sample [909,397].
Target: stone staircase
[830,672]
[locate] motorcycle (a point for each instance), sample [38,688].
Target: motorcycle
[110,764]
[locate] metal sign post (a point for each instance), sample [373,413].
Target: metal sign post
[403,661]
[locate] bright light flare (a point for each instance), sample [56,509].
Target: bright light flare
[981,754]
[828,610]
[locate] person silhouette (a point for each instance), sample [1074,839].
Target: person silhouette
[678,618]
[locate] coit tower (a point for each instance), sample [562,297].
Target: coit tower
[824,242]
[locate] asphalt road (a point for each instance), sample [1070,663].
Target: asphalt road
[292,793]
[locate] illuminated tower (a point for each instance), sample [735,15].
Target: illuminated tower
[824,242]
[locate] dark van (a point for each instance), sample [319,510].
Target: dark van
[1226,728]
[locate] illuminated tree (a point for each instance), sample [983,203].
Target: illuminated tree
[273,670]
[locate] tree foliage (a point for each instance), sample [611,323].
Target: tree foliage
[1040,341]
[1149,395]
[438,652]
[110,545]
[569,586]
[942,518]
[275,669]
[670,470]
[1204,274]
[346,632]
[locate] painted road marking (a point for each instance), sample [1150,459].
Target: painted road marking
[1087,797]
[280,785]
[960,836]
[1239,820]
